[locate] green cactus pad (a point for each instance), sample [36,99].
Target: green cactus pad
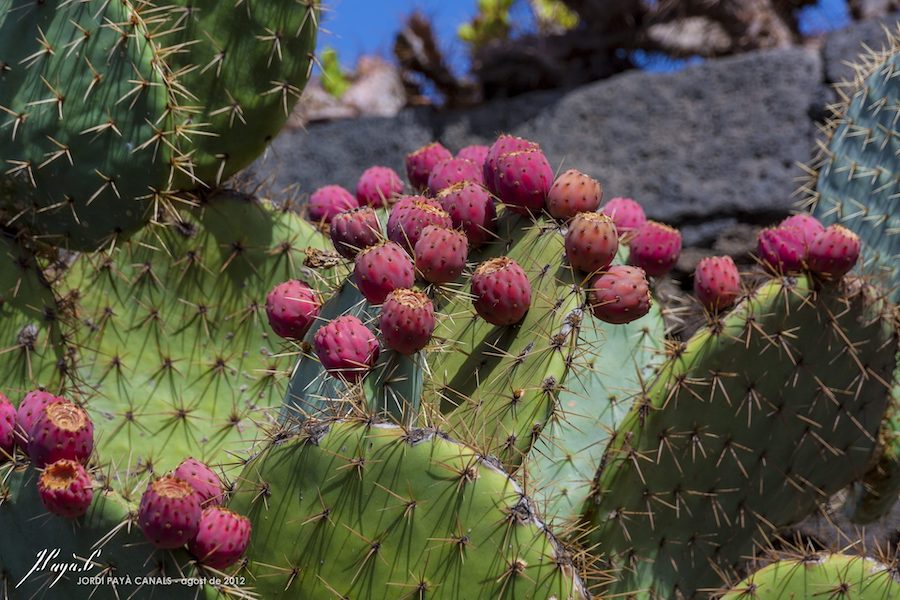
[748,427]
[858,171]
[244,65]
[835,576]
[106,542]
[498,386]
[175,354]
[873,496]
[613,362]
[31,348]
[82,115]
[369,512]
[392,390]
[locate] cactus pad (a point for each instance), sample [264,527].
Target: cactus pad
[365,511]
[747,428]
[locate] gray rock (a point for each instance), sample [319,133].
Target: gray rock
[845,46]
[721,138]
[714,141]
[339,151]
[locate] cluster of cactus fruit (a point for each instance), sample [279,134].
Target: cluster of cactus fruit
[178,509]
[454,387]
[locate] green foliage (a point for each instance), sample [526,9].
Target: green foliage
[355,510]
[491,23]
[554,14]
[748,427]
[334,79]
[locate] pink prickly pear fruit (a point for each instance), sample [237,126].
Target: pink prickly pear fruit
[381,269]
[222,538]
[834,252]
[31,407]
[523,180]
[328,201]
[504,145]
[407,321]
[620,295]
[65,489]
[355,230]
[501,290]
[808,226]
[475,153]
[7,427]
[591,242]
[292,307]
[441,254]
[471,209]
[421,163]
[717,283]
[346,348]
[782,249]
[627,214]
[202,479]
[378,186]
[63,430]
[410,216]
[573,192]
[655,248]
[169,514]
[451,171]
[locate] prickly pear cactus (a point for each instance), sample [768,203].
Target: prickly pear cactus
[175,357]
[614,362]
[86,136]
[106,543]
[498,386]
[748,426]
[244,65]
[875,494]
[109,108]
[31,350]
[392,390]
[361,510]
[825,576]
[856,173]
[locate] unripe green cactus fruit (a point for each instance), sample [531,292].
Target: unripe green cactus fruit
[371,511]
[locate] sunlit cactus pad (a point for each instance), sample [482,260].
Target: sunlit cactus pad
[174,356]
[365,511]
[750,425]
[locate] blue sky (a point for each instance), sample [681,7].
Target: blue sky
[355,27]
